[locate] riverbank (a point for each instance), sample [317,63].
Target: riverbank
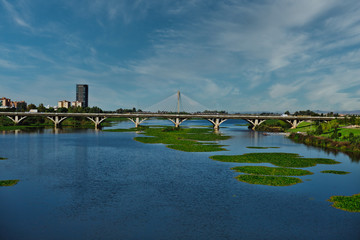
[332,136]
[351,149]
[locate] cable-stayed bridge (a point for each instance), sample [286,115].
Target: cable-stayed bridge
[183,109]
[176,103]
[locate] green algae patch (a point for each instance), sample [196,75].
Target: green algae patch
[335,172]
[272,171]
[277,159]
[8,183]
[346,203]
[184,139]
[269,180]
[198,148]
[261,147]
[135,129]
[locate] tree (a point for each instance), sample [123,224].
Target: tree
[31,106]
[352,120]
[41,108]
[95,110]
[319,130]
[62,110]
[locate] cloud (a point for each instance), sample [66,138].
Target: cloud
[280,90]
[8,65]
[239,55]
[16,16]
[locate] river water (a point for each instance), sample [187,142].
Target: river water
[86,184]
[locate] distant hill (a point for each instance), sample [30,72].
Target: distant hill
[356,112]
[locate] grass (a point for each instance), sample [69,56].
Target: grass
[277,159]
[306,127]
[261,147]
[346,203]
[272,171]
[8,183]
[15,127]
[269,180]
[335,172]
[303,127]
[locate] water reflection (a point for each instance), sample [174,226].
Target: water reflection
[104,185]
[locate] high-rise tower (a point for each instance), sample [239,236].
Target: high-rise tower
[82,93]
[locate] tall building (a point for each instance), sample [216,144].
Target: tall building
[82,94]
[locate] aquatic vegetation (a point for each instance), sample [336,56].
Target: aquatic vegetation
[261,147]
[8,183]
[273,171]
[272,176]
[182,139]
[269,180]
[278,159]
[335,172]
[140,128]
[346,203]
[197,147]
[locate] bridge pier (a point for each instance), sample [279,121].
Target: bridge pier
[56,120]
[137,121]
[97,121]
[255,122]
[177,121]
[294,123]
[216,122]
[16,118]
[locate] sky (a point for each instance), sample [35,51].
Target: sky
[234,55]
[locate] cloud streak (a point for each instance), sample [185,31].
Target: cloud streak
[236,55]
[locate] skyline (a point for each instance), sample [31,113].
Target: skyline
[227,55]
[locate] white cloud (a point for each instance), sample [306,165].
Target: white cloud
[266,55]
[17,17]
[280,90]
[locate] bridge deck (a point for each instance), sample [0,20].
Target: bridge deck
[177,119]
[167,115]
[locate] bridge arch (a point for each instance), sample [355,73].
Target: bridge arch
[17,119]
[56,120]
[294,122]
[255,122]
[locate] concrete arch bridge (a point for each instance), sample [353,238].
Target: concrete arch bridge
[137,118]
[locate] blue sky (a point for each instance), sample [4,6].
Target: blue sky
[233,55]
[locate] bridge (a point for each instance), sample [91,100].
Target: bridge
[169,108]
[137,118]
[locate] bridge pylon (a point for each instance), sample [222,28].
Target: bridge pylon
[97,121]
[216,122]
[294,123]
[137,121]
[177,121]
[56,120]
[16,119]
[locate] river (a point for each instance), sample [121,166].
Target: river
[87,184]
